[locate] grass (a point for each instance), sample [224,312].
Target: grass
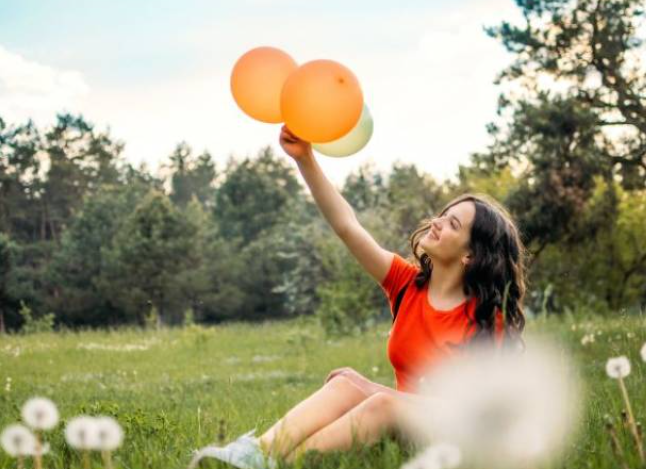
[175,390]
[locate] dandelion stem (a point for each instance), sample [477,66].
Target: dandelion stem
[616,447]
[107,459]
[199,428]
[21,463]
[38,461]
[86,459]
[631,420]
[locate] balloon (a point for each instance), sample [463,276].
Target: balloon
[257,80]
[351,142]
[321,101]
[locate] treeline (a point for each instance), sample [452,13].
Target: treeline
[97,242]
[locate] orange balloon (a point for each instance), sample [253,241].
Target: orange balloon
[321,101]
[257,80]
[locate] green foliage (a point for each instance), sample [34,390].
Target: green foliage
[254,194]
[350,301]
[152,247]
[32,325]
[192,176]
[561,140]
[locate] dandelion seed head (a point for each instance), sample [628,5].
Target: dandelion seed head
[643,352]
[109,433]
[618,367]
[499,408]
[18,440]
[40,413]
[421,461]
[81,433]
[444,455]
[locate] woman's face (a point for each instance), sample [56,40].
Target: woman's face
[448,238]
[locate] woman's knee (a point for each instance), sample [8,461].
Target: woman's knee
[347,387]
[381,403]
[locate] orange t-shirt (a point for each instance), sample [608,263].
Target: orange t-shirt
[422,335]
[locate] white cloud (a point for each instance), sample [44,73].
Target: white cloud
[32,90]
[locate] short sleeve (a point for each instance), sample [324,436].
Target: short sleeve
[399,274]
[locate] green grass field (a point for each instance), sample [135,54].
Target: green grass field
[175,390]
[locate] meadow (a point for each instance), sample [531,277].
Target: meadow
[178,389]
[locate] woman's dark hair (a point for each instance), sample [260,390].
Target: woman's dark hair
[496,273]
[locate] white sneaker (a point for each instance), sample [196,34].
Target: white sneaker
[244,453]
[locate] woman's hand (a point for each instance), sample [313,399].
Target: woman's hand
[294,146]
[357,378]
[346,371]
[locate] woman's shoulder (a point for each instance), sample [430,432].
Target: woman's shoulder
[401,272]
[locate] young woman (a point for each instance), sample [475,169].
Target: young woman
[465,264]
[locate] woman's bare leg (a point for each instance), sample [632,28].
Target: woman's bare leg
[365,424]
[331,401]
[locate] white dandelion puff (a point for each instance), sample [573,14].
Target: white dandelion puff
[501,409]
[109,433]
[40,413]
[444,455]
[17,440]
[618,367]
[81,432]
[643,352]
[421,461]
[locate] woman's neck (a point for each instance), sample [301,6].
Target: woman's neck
[447,282]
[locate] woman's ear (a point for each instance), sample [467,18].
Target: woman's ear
[467,259]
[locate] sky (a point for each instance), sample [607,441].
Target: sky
[157,73]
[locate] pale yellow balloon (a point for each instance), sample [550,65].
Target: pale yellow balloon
[353,141]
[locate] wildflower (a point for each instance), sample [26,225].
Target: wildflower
[643,352]
[445,455]
[420,462]
[618,367]
[438,456]
[587,339]
[108,433]
[7,386]
[81,433]
[523,412]
[40,413]
[109,436]
[17,440]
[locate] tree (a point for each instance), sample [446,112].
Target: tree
[20,180]
[364,188]
[6,264]
[191,176]
[80,161]
[253,195]
[78,266]
[559,141]
[152,247]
